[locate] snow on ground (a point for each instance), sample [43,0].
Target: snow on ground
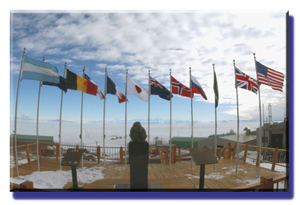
[58,179]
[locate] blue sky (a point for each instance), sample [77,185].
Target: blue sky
[141,41]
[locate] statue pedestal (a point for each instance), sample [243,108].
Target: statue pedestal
[138,160]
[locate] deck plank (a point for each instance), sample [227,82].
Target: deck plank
[180,176]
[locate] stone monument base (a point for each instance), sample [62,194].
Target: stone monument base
[127,186]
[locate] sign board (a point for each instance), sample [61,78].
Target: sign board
[203,156]
[72,157]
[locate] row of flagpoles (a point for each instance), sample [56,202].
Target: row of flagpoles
[47,74]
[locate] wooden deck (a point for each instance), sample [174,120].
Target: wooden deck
[180,176]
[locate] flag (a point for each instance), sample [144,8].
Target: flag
[269,77]
[159,89]
[38,70]
[62,83]
[113,89]
[75,82]
[135,89]
[216,90]
[246,82]
[180,89]
[98,90]
[196,87]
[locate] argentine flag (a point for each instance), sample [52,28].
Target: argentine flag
[196,87]
[38,70]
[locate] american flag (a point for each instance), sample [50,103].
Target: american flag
[269,77]
[98,91]
[244,81]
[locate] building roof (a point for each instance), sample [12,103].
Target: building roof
[32,137]
[242,138]
[188,139]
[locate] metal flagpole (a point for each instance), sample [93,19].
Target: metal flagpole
[238,120]
[104,136]
[260,129]
[170,116]
[61,101]
[81,119]
[37,124]
[215,124]
[126,118]
[16,110]
[149,93]
[192,128]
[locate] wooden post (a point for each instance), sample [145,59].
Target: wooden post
[167,155]
[40,150]
[229,150]
[98,154]
[77,146]
[267,181]
[57,151]
[245,152]
[274,159]
[121,155]
[14,150]
[220,153]
[26,185]
[179,155]
[27,153]
[257,158]
[213,151]
[234,151]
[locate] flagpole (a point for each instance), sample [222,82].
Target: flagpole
[260,129]
[60,116]
[37,124]
[105,92]
[238,120]
[149,93]
[192,123]
[126,118]
[81,118]
[170,116]
[215,124]
[16,110]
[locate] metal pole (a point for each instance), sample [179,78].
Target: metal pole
[81,119]
[104,136]
[260,129]
[37,123]
[215,125]
[126,118]
[238,121]
[60,116]
[192,143]
[149,93]
[170,115]
[16,110]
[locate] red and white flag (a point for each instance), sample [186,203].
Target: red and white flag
[135,89]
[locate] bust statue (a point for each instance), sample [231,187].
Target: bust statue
[137,132]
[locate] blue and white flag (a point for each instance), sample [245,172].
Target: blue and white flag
[38,70]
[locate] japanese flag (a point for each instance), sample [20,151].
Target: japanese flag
[135,89]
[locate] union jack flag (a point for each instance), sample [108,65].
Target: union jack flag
[180,89]
[244,81]
[158,89]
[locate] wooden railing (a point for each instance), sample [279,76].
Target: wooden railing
[274,156]
[266,183]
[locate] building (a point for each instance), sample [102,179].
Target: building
[274,135]
[28,139]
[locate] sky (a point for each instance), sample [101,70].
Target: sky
[148,40]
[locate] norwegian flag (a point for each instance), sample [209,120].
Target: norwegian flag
[158,89]
[244,81]
[180,89]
